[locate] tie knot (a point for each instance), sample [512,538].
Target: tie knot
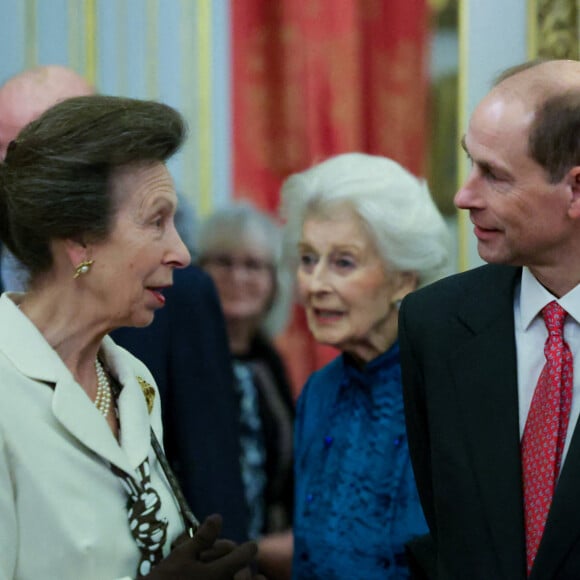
[554,316]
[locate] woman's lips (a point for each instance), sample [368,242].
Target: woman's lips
[158,293]
[326,316]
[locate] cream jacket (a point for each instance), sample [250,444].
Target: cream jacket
[62,511]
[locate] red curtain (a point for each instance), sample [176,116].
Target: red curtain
[314,78]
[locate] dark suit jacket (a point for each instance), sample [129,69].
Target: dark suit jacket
[187,352]
[458,356]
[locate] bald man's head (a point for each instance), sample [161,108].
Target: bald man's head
[543,100]
[26,96]
[536,82]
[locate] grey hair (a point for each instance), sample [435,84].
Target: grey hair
[226,229]
[395,207]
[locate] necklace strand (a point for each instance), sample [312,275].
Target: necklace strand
[104,395]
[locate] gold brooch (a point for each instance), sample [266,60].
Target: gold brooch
[148,393]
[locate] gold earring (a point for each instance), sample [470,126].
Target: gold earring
[83,268]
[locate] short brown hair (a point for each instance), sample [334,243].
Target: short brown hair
[554,140]
[54,182]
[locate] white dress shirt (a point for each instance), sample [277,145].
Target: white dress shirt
[531,335]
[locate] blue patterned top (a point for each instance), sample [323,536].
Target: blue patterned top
[253,452]
[356,501]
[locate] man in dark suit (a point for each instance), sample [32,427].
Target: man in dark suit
[475,375]
[185,348]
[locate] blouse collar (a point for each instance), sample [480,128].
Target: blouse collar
[376,368]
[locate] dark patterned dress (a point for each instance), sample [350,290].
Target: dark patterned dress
[266,437]
[356,501]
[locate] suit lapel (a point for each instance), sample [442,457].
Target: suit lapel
[71,406]
[563,526]
[134,416]
[76,413]
[485,373]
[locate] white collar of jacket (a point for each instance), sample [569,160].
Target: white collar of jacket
[29,352]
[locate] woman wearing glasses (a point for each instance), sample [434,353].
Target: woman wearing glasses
[239,246]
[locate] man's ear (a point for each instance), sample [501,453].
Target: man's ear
[573,182]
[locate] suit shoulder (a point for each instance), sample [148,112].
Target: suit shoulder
[447,291]
[192,278]
[193,294]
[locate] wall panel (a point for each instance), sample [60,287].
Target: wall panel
[176,51]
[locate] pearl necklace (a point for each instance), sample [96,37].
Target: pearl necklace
[104,395]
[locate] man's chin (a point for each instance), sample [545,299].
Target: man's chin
[491,255]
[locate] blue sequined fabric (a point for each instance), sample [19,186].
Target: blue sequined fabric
[356,502]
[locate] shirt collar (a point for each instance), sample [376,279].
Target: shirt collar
[533,297]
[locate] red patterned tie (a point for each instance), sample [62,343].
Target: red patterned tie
[545,431]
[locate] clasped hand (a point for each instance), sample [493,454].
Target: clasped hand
[204,557]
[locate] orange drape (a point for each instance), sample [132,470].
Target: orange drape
[313,78]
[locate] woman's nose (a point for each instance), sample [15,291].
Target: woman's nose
[319,280]
[179,255]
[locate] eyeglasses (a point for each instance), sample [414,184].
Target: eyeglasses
[227,263]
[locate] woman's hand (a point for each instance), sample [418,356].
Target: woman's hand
[275,555]
[204,557]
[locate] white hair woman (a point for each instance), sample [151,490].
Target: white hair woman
[362,233]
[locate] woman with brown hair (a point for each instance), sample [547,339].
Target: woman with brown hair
[87,205]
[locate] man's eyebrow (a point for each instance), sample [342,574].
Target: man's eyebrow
[486,166]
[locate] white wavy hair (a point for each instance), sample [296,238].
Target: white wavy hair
[227,228]
[395,207]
